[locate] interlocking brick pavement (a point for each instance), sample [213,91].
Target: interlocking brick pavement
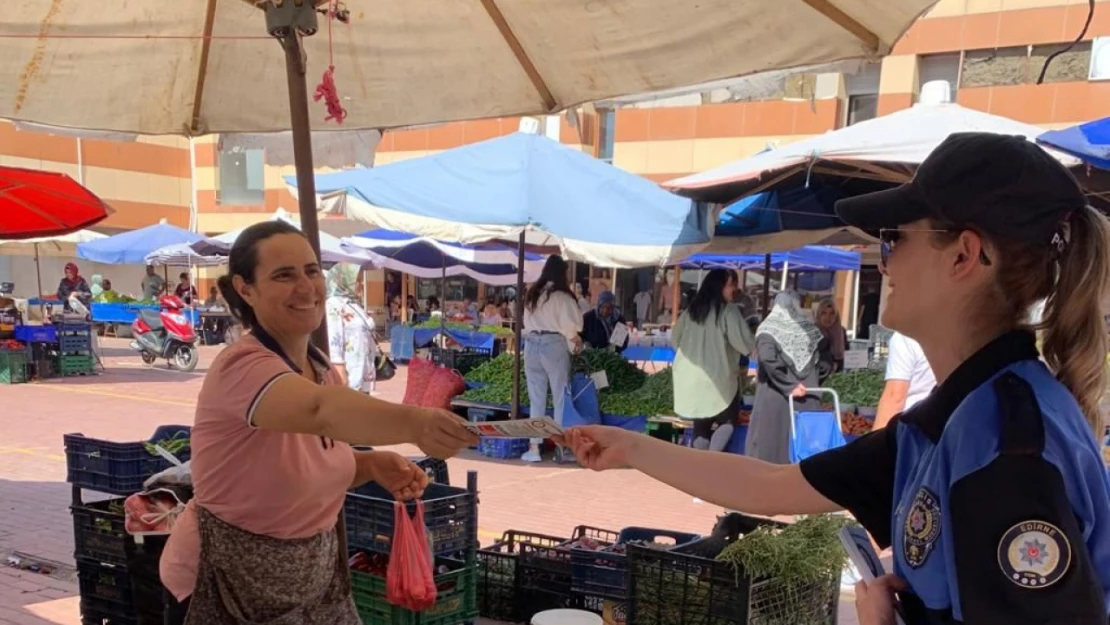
[130,400]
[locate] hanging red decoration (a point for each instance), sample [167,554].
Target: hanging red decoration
[326,90]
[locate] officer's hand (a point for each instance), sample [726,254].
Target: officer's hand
[875,601]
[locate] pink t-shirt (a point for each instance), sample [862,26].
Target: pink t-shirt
[270,483]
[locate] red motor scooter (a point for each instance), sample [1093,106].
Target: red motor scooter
[166,333]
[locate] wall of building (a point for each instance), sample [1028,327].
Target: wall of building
[143,180]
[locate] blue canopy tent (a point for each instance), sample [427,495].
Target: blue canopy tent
[1089,142]
[534,191]
[809,258]
[134,246]
[524,185]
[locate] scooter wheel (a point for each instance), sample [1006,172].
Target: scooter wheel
[185,358]
[148,357]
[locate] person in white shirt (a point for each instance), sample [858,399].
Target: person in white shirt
[552,321]
[909,378]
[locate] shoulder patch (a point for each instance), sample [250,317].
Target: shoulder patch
[1034,554]
[921,528]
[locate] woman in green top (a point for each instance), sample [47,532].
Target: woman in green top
[709,339]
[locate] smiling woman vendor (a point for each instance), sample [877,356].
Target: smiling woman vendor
[992,490]
[271,459]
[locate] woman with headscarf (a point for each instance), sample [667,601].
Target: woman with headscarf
[786,344]
[836,338]
[73,284]
[351,344]
[598,323]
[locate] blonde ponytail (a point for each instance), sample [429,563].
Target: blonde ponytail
[1075,342]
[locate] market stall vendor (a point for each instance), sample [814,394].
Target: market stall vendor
[185,289]
[598,323]
[73,284]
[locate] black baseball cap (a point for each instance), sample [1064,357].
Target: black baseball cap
[1001,186]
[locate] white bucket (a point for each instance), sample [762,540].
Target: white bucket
[566,617]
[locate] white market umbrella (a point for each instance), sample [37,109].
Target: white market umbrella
[62,245]
[888,148]
[332,249]
[208,66]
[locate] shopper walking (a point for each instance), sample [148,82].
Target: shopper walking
[709,339]
[992,489]
[272,457]
[552,322]
[787,343]
[351,345]
[909,378]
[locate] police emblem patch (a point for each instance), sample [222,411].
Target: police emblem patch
[921,528]
[1034,554]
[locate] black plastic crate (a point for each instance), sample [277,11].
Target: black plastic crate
[450,515]
[499,594]
[118,468]
[687,585]
[435,468]
[75,344]
[461,360]
[114,593]
[604,573]
[99,533]
[546,572]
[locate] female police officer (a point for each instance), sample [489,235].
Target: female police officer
[992,490]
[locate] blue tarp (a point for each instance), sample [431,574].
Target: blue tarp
[522,182]
[801,208]
[1089,142]
[134,246]
[809,258]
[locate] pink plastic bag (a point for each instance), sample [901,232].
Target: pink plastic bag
[410,578]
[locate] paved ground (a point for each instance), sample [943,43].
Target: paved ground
[130,399]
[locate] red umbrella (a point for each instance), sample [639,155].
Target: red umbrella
[45,203]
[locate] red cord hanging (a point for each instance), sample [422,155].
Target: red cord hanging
[326,90]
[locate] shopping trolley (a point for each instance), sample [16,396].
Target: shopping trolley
[814,431]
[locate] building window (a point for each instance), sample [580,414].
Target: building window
[1100,59]
[862,108]
[1022,65]
[863,94]
[606,121]
[242,177]
[1071,66]
[944,67]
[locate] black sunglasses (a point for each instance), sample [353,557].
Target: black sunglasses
[888,239]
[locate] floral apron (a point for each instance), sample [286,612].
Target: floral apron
[250,579]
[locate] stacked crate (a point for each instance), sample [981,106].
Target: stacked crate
[75,354]
[117,573]
[451,518]
[13,365]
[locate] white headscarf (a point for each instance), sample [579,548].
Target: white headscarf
[795,333]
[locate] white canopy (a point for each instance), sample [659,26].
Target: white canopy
[905,137]
[62,245]
[141,66]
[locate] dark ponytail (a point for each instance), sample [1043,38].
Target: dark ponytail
[242,262]
[554,274]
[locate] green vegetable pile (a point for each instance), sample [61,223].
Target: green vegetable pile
[174,444]
[792,568]
[862,387]
[466,327]
[631,392]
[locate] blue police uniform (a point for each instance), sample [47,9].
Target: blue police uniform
[992,492]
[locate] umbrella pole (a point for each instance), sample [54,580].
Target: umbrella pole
[766,284]
[443,299]
[518,323]
[38,272]
[295,70]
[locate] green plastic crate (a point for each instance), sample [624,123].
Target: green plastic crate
[75,365]
[13,367]
[456,602]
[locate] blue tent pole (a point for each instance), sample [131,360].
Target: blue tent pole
[766,284]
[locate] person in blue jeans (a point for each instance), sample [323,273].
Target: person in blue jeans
[552,321]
